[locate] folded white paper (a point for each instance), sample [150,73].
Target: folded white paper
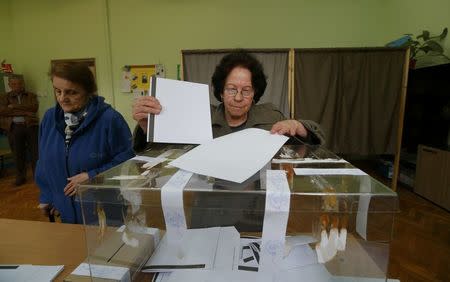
[234,157]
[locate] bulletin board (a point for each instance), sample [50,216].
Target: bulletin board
[136,78]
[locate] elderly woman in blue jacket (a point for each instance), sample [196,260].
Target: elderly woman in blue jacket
[79,138]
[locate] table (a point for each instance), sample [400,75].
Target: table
[42,243]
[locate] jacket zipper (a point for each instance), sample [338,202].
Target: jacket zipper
[67,158]
[72,201]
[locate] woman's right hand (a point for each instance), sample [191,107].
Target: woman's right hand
[142,106]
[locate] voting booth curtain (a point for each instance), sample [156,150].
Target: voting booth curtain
[353,93]
[199,66]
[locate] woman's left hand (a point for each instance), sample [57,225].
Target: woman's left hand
[74,181]
[289,127]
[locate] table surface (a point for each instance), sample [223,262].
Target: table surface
[42,243]
[45,243]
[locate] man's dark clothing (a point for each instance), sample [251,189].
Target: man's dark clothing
[19,119]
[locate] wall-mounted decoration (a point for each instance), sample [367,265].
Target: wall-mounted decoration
[136,78]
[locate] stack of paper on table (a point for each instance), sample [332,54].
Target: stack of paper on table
[28,272]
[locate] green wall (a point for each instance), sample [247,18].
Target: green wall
[118,32]
[46,30]
[5,30]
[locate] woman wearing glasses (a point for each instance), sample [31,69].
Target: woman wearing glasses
[239,82]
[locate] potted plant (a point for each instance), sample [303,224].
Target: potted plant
[423,46]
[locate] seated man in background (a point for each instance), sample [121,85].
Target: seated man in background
[239,82]
[18,110]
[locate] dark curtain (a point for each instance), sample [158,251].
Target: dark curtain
[354,94]
[199,65]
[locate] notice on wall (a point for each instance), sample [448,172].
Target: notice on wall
[136,78]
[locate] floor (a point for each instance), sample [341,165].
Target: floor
[420,250]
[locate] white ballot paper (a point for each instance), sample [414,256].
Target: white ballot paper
[204,248]
[233,157]
[185,116]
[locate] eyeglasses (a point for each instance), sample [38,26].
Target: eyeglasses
[246,91]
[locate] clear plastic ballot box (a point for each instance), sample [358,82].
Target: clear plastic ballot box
[335,226]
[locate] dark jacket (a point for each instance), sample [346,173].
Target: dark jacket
[102,141]
[262,116]
[27,108]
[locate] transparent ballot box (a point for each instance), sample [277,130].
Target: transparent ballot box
[332,222]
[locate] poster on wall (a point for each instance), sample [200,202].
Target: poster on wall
[136,78]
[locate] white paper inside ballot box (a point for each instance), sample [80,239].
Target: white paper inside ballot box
[205,248]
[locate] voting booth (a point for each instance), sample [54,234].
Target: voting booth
[306,215]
